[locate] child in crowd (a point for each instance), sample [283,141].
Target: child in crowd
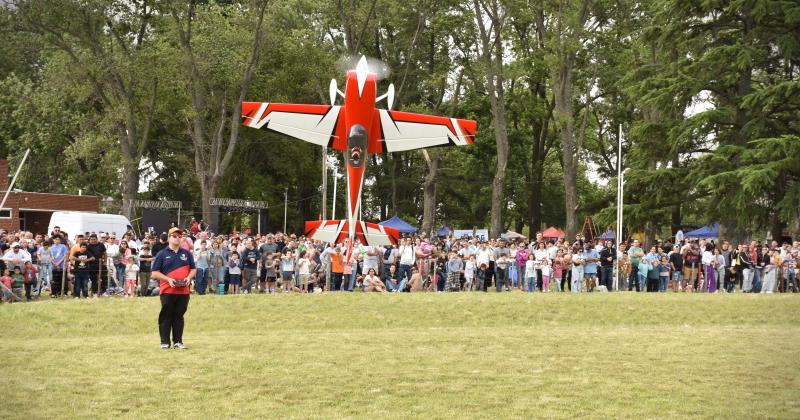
[152,288]
[145,270]
[287,271]
[235,273]
[530,273]
[469,272]
[271,267]
[303,271]
[558,269]
[31,277]
[46,264]
[480,279]
[663,274]
[546,275]
[17,284]
[131,277]
[653,276]
[7,284]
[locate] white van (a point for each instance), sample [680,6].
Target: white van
[75,223]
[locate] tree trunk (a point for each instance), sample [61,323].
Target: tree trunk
[130,188]
[498,184]
[535,200]
[208,190]
[213,149]
[562,83]
[492,55]
[676,210]
[429,191]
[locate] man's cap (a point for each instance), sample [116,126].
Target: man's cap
[177,230]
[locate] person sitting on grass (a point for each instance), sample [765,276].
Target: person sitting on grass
[153,288]
[373,283]
[392,282]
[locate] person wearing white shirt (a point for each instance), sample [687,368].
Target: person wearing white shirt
[552,250]
[530,273]
[407,258]
[16,257]
[540,255]
[577,269]
[482,256]
[709,269]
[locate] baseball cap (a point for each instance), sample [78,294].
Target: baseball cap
[176,230]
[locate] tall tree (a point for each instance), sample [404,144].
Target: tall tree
[564,41]
[108,41]
[214,121]
[490,18]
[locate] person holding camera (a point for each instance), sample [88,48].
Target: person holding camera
[174,269]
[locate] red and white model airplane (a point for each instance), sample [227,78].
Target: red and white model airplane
[357,129]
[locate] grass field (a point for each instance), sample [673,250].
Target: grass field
[409,355]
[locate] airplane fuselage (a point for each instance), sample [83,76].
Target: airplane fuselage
[359,105]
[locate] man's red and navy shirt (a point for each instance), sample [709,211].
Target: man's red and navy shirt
[175,265]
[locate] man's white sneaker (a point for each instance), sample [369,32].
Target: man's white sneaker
[179,346]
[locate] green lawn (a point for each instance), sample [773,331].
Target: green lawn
[422,355]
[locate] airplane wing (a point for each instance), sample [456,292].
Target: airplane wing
[313,123]
[407,131]
[335,231]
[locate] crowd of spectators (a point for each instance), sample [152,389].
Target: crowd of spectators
[101,264]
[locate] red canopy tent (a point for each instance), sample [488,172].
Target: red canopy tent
[553,233]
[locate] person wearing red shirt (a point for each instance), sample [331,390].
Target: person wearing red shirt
[31,276]
[174,269]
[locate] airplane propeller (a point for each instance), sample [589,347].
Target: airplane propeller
[333,90]
[389,96]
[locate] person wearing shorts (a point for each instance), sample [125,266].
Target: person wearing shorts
[303,271]
[272,272]
[287,270]
[234,273]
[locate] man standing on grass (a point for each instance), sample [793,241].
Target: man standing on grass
[635,254]
[249,265]
[607,256]
[174,269]
[96,265]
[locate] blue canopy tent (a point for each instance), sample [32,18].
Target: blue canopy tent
[444,231]
[704,232]
[399,224]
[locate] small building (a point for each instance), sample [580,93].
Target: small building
[32,210]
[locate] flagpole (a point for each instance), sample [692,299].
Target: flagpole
[620,194]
